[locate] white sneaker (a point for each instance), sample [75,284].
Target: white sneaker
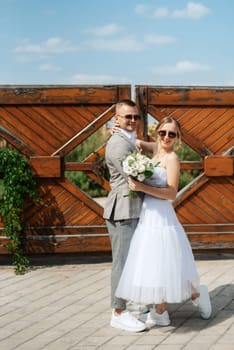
[203,302]
[137,308]
[153,318]
[127,322]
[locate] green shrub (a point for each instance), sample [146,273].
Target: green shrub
[16,186]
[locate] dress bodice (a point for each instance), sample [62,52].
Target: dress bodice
[159,178]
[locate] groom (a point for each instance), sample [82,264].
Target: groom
[121,212]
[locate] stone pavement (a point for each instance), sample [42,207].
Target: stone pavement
[65,306]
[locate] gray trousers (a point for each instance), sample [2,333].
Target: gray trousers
[120,233]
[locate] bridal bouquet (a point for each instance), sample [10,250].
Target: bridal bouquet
[139,166]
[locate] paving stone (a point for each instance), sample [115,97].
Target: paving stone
[67,307]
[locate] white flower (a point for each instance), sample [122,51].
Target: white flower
[138,165]
[141,168]
[141,177]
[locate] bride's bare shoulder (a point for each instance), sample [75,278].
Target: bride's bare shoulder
[172,157]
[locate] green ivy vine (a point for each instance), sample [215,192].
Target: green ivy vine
[18,185]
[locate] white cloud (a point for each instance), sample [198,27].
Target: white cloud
[159,39]
[109,29]
[181,67]
[141,9]
[49,67]
[27,51]
[50,46]
[130,43]
[126,44]
[97,79]
[192,10]
[160,12]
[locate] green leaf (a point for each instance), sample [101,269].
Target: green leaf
[17,184]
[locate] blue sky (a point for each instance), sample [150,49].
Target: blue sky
[117,42]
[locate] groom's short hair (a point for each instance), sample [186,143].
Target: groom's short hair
[126,102]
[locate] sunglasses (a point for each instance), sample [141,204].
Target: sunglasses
[131,116]
[170,134]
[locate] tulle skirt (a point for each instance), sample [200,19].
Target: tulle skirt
[160,266]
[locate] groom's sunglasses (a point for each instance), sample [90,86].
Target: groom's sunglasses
[131,116]
[170,134]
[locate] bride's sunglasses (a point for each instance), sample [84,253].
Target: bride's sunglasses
[170,134]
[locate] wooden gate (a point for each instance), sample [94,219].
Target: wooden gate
[46,123]
[205,206]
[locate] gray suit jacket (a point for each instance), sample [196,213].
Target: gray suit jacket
[119,203]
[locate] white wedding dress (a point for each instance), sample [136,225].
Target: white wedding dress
[160,266]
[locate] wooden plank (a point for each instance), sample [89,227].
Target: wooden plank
[84,133]
[209,119]
[220,204]
[220,118]
[41,94]
[208,242]
[188,214]
[46,117]
[63,244]
[22,131]
[224,186]
[70,244]
[187,136]
[195,117]
[218,227]
[77,213]
[141,101]
[224,144]
[192,96]
[101,243]
[222,229]
[190,189]
[211,237]
[79,166]
[194,142]
[76,118]
[123,92]
[54,120]
[97,173]
[214,215]
[99,180]
[191,165]
[221,127]
[46,166]
[38,213]
[15,142]
[159,112]
[38,129]
[3,245]
[184,116]
[218,165]
[69,229]
[63,204]
[212,248]
[82,196]
[198,212]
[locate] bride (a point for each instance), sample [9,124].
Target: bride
[160,267]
